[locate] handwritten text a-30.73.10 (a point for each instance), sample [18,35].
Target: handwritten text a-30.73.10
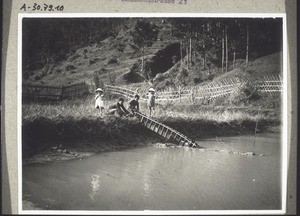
[41,7]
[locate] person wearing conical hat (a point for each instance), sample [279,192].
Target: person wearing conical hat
[151,101]
[99,102]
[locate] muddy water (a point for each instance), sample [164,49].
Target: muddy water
[158,178]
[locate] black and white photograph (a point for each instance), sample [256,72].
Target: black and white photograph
[176,114]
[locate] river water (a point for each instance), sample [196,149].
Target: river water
[157,178]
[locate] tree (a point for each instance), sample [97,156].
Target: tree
[247,45]
[226,47]
[144,35]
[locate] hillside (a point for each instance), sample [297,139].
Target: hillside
[109,59]
[117,60]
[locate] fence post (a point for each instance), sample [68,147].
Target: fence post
[179,94]
[192,96]
[87,87]
[61,92]
[127,95]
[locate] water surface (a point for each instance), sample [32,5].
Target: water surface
[164,178]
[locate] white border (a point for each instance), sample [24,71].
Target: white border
[284,118]
[284,134]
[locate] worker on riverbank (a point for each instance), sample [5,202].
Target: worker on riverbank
[118,110]
[99,102]
[133,105]
[151,101]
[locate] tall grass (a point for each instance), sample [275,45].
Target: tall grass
[77,109]
[74,122]
[217,114]
[84,109]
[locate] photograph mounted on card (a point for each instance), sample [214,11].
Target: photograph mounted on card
[173,113]
[168,107]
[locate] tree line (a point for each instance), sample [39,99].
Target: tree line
[220,40]
[213,41]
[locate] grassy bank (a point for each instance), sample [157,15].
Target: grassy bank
[76,125]
[94,133]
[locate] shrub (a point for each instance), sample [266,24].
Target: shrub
[182,76]
[121,48]
[135,68]
[165,84]
[103,58]
[37,77]
[159,77]
[197,80]
[244,94]
[113,60]
[84,53]
[74,57]
[70,67]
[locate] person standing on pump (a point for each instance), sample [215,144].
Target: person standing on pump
[99,103]
[133,105]
[151,101]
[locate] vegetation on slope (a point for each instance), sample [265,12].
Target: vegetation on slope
[57,53]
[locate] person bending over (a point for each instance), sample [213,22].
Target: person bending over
[118,110]
[133,105]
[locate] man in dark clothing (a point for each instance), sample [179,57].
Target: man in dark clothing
[119,110]
[134,104]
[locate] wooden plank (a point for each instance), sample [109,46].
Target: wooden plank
[166,131]
[163,132]
[153,126]
[170,135]
[146,121]
[159,131]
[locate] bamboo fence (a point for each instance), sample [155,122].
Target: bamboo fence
[266,84]
[54,92]
[270,84]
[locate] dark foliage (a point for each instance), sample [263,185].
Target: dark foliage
[50,40]
[113,60]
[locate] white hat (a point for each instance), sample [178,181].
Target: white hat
[151,89]
[99,89]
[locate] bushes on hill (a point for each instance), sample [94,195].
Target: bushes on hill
[113,60]
[70,67]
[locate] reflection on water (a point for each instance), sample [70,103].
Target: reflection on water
[164,178]
[95,184]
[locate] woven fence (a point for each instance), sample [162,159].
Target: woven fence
[54,92]
[122,91]
[207,92]
[269,84]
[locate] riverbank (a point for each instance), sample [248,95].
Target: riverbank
[79,150]
[73,129]
[50,140]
